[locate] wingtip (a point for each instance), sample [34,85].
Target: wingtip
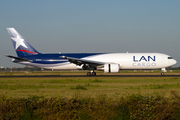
[63,57]
[6,55]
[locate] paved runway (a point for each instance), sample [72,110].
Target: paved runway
[93,76]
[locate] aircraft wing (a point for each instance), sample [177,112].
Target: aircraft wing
[17,58]
[79,62]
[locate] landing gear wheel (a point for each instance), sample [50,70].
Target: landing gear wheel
[88,74]
[162,74]
[93,74]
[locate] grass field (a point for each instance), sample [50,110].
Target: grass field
[112,87]
[89,98]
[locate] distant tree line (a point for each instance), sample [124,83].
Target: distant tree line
[173,68]
[20,69]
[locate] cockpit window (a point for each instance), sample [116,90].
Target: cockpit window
[170,58]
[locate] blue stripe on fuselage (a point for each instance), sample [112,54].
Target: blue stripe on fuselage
[55,58]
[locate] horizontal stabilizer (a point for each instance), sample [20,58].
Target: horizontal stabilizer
[17,58]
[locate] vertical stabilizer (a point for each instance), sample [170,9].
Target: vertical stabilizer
[21,46]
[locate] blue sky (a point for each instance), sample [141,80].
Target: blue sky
[92,26]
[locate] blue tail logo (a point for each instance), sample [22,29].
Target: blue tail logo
[21,46]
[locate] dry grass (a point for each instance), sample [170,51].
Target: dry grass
[134,107]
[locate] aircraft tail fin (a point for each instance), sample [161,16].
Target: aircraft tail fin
[21,46]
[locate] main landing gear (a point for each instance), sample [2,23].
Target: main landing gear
[91,73]
[90,68]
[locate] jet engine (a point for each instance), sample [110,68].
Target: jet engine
[85,67]
[111,68]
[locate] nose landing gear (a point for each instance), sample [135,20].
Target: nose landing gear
[162,74]
[163,70]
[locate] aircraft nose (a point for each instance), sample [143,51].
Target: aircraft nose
[174,61]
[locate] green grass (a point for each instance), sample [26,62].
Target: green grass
[112,98]
[79,87]
[67,87]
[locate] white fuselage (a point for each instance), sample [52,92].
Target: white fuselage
[125,60]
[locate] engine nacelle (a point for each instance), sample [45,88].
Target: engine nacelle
[111,68]
[85,67]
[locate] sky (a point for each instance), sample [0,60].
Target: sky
[88,26]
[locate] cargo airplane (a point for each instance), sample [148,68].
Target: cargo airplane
[109,62]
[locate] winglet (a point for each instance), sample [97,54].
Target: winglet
[63,57]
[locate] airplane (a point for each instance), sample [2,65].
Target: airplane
[109,62]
